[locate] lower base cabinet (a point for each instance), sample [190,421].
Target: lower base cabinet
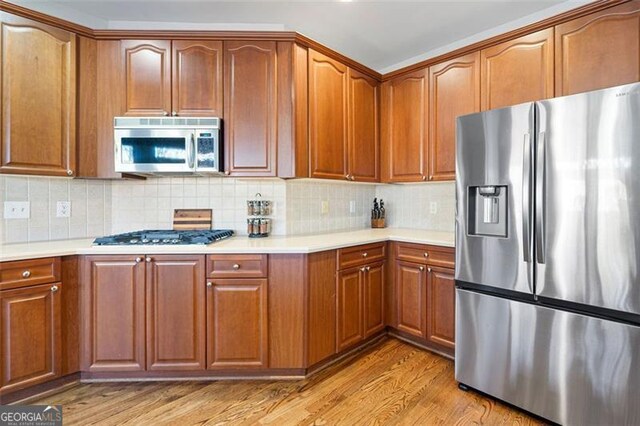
[30,336]
[441,308]
[237,323]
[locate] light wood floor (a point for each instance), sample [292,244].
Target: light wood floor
[390,384]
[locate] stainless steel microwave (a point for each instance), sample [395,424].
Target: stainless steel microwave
[171,145]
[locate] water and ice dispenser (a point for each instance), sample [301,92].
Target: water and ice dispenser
[488,210]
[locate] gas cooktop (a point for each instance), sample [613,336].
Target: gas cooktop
[162,237]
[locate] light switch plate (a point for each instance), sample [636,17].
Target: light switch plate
[324,207]
[17,209]
[352,207]
[433,207]
[63,209]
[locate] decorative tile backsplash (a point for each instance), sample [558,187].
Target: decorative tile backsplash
[301,206]
[90,213]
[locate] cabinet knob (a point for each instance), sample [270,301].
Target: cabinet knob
[363,269]
[352,177]
[165,113]
[421,268]
[69,172]
[428,269]
[366,268]
[209,284]
[365,254]
[227,173]
[54,288]
[424,177]
[26,274]
[347,177]
[236,266]
[148,259]
[426,254]
[138,259]
[173,113]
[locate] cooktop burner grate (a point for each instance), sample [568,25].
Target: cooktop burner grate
[164,237]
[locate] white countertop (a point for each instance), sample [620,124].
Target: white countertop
[234,245]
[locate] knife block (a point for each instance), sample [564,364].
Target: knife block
[378,223]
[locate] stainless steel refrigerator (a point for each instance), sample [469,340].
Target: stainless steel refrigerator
[548,256]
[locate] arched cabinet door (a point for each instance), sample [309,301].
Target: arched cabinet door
[38,68]
[250,108]
[147,65]
[197,78]
[328,116]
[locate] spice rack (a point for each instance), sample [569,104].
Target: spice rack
[258,222]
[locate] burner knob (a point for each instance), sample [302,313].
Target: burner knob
[175,241]
[133,241]
[145,240]
[155,240]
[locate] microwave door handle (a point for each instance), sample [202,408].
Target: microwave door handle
[191,152]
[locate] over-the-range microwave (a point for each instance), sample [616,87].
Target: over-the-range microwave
[167,145]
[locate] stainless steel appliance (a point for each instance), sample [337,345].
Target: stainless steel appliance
[167,145]
[548,256]
[163,237]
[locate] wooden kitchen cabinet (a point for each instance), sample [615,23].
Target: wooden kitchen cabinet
[237,324]
[350,308]
[404,128]
[328,117]
[250,111]
[454,91]
[598,50]
[517,71]
[411,294]
[374,300]
[147,76]
[30,336]
[196,78]
[38,68]
[363,134]
[441,308]
[113,312]
[176,334]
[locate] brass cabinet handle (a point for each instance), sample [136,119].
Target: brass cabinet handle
[174,114]
[54,288]
[26,274]
[421,268]
[367,268]
[424,177]
[148,259]
[138,259]
[365,254]
[347,177]
[428,269]
[363,269]
[69,172]
[165,113]
[209,284]
[426,254]
[236,266]
[227,173]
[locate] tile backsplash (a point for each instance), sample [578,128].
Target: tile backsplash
[301,206]
[90,208]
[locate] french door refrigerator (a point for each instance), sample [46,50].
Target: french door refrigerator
[548,256]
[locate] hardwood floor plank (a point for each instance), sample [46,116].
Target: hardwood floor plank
[389,384]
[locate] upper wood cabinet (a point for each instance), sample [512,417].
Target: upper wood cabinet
[518,71]
[454,91]
[147,76]
[30,330]
[38,123]
[328,116]
[197,78]
[599,50]
[176,313]
[250,117]
[363,135]
[404,128]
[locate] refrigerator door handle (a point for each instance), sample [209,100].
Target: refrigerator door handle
[540,195]
[526,199]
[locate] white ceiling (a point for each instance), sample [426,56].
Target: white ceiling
[383,35]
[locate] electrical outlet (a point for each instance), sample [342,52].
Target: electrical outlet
[352,207]
[63,209]
[17,209]
[433,207]
[324,207]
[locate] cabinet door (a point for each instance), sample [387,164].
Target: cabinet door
[411,296]
[454,91]
[176,313]
[31,333]
[38,68]
[328,116]
[147,77]
[350,307]
[441,297]
[518,71]
[364,153]
[113,306]
[250,108]
[599,50]
[237,324]
[196,78]
[373,295]
[404,128]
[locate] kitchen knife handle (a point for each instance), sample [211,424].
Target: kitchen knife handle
[540,197]
[526,199]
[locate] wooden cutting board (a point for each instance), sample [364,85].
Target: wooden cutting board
[190,219]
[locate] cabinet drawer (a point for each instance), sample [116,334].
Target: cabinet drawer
[419,253]
[237,266]
[360,255]
[24,273]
